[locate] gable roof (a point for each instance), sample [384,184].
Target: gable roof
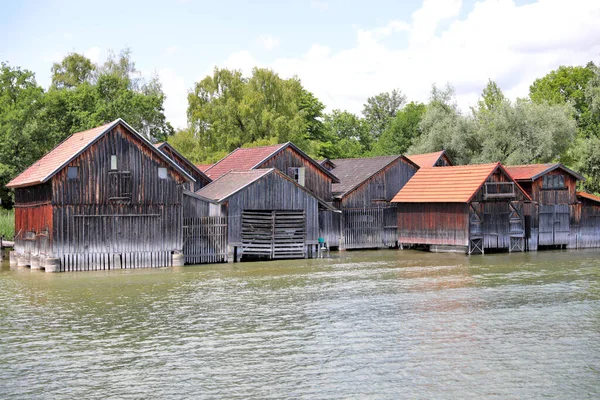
[531,172]
[67,150]
[588,196]
[456,184]
[427,159]
[352,172]
[247,158]
[162,146]
[231,183]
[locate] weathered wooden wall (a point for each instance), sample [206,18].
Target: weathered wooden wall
[329,227]
[380,189]
[368,219]
[201,180]
[315,180]
[272,192]
[586,217]
[204,230]
[433,223]
[128,218]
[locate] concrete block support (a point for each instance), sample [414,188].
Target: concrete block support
[35,262]
[178,260]
[13,258]
[23,260]
[52,265]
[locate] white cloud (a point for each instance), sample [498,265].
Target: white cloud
[93,53]
[175,89]
[497,39]
[268,42]
[172,50]
[319,5]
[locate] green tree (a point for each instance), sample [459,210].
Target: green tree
[74,70]
[491,97]
[444,128]
[348,136]
[381,109]
[227,110]
[21,99]
[401,132]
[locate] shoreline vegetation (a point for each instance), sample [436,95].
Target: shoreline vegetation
[7,224]
[559,120]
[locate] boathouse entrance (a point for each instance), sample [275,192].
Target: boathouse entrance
[274,234]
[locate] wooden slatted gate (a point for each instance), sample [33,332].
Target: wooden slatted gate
[517,226]
[369,228]
[554,227]
[205,240]
[275,234]
[475,228]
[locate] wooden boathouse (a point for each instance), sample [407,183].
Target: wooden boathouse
[435,159]
[269,215]
[287,158]
[552,187]
[471,209]
[104,198]
[200,179]
[363,195]
[587,218]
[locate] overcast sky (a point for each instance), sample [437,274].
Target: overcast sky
[343,51]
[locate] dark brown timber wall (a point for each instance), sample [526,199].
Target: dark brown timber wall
[123,218]
[433,223]
[315,180]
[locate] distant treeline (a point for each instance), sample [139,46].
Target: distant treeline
[559,121]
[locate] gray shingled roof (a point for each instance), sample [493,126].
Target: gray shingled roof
[354,171]
[230,183]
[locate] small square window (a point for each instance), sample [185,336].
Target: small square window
[72,172]
[113,162]
[162,173]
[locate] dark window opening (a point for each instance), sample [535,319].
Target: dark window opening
[72,172]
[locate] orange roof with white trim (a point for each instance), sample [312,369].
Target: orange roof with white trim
[457,184]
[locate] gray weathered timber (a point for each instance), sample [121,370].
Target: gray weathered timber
[103,218]
[368,218]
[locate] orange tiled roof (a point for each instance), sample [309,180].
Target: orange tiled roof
[427,159]
[531,172]
[588,196]
[48,165]
[445,184]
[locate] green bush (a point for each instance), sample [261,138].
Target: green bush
[7,224]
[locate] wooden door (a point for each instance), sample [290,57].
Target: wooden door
[274,234]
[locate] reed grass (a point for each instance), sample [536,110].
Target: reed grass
[7,224]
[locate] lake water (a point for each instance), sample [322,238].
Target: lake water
[377,324]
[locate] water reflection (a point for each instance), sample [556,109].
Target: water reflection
[382,324]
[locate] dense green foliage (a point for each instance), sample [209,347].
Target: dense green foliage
[559,121]
[7,224]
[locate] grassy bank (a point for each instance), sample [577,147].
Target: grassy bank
[7,223]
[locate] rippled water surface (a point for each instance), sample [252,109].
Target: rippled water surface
[381,324]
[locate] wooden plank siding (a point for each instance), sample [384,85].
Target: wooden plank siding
[433,223]
[368,218]
[103,218]
[272,192]
[315,180]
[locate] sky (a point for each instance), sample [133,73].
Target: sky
[342,51]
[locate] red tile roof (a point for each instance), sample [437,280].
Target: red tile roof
[353,171]
[67,150]
[427,159]
[445,184]
[531,172]
[241,159]
[204,167]
[588,196]
[245,159]
[62,154]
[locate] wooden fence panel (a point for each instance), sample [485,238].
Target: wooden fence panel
[205,240]
[369,228]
